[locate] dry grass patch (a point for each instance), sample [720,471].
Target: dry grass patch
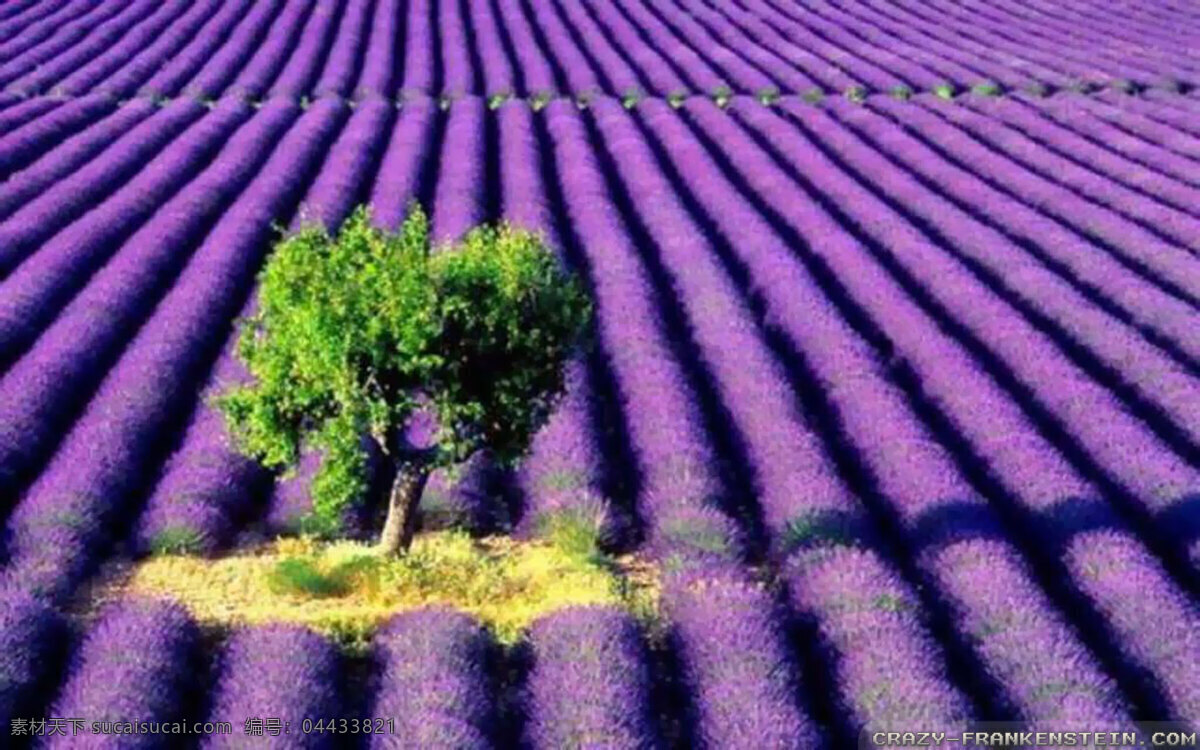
[345,589]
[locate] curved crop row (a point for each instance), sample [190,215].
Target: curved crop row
[73,508]
[40,218]
[589,682]
[38,289]
[70,155]
[1028,469]
[104,684]
[431,674]
[22,146]
[76,348]
[275,672]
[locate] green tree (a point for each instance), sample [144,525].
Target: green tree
[355,334]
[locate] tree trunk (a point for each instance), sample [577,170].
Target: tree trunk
[401,521]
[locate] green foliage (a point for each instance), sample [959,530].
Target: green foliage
[721,95]
[300,576]
[856,94]
[676,98]
[901,92]
[631,97]
[540,99]
[986,88]
[944,90]
[495,101]
[768,96]
[176,541]
[356,332]
[813,96]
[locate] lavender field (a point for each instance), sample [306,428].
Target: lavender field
[896,375]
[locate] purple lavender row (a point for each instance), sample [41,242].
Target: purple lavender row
[589,682]
[739,692]
[25,111]
[954,534]
[735,71]
[1164,136]
[431,674]
[1166,203]
[207,485]
[31,48]
[1157,105]
[65,519]
[221,68]
[1021,459]
[1148,469]
[273,53]
[1156,378]
[24,19]
[773,59]
[112,41]
[498,76]
[650,61]
[680,492]
[812,54]
[916,40]
[797,488]
[1029,44]
[74,48]
[136,56]
[1160,261]
[70,155]
[342,65]
[563,470]
[619,75]
[136,663]
[381,56]
[734,664]
[300,72]
[1172,318]
[1088,43]
[40,218]
[15,15]
[458,201]
[1124,141]
[981,120]
[281,672]
[581,78]
[460,74]
[967,52]
[37,290]
[419,51]
[31,635]
[147,48]
[928,487]
[45,389]
[168,74]
[702,71]
[897,62]
[988,32]
[531,59]
[20,147]
[410,146]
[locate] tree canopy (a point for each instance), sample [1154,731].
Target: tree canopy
[356,333]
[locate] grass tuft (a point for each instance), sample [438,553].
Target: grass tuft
[901,92]
[986,88]
[944,90]
[813,96]
[856,94]
[768,96]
